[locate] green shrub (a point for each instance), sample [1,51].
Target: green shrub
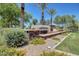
[11,52]
[53,53]
[37,41]
[15,38]
[2,39]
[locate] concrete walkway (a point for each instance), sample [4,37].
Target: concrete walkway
[35,50]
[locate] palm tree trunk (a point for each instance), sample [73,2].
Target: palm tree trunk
[22,16]
[42,18]
[51,24]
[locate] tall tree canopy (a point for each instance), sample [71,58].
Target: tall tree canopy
[9,15]
[67,21]
[58,20]
[51,12]
[42,7]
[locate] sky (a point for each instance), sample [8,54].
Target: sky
[61,9]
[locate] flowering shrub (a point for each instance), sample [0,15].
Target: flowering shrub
[53,53]
[37,41]
[11,52]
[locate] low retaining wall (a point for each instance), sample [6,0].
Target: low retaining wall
[50,34]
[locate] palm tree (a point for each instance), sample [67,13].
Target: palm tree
[51,12]
[42,6]
[22,16]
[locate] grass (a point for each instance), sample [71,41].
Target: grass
[70,44]
[38,41]
[58,38]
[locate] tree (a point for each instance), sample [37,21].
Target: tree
[48,22]
[73,26]
[9,15]
[35,21]
[22,16]
[58,20]
[42,6]
[27,17]
[51,12]
[67,21]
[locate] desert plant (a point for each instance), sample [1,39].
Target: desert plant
[38,41]
[11,52]
[53,53]
[15,38]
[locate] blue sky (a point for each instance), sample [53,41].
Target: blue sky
[61,9]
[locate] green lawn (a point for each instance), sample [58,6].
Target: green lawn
[70,44]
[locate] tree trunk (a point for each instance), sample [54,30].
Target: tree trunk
[22,16]
[42,18]
[51,24]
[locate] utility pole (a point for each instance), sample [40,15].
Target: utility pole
[22,16]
